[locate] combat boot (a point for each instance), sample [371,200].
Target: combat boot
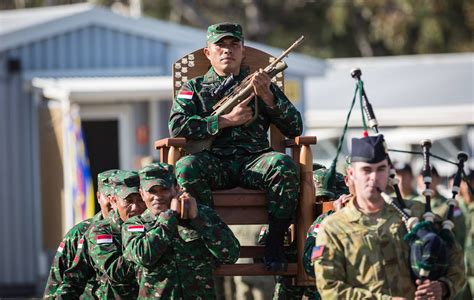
[274,251]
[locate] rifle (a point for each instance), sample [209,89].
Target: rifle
[239,94]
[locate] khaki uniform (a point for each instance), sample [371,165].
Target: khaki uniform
[360,257]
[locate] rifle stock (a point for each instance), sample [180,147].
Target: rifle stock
[239,94]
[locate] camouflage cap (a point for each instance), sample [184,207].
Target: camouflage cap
[333,192]
[125,183]
[218,31]
[104,185]
[161,174]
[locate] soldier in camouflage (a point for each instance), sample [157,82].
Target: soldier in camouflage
[240,155]
[72,244]
[467,195]
[360,251]
[104,240]
[175,256]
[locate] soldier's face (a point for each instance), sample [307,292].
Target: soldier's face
[131,206]
[158,198]
[104,203]
[225,55]
[367,178]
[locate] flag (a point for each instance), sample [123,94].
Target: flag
[82,190]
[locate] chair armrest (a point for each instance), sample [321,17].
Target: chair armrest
[300,141]
[170,142]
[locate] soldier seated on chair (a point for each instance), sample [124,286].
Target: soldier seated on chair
[240,155]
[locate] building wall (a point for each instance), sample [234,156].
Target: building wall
[90,51]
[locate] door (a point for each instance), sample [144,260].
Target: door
[102,143]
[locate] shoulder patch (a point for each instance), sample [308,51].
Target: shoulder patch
[316,228]
[104,238]
[80,244]
[186,95]
[317,252]
[61,247]
[136,228]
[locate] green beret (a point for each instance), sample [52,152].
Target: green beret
[161,174]
[218,31]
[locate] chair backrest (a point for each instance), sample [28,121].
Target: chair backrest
[196,64]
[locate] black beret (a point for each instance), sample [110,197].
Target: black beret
[369,149]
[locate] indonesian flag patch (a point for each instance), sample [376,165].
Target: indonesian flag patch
[186,95]
[61,247]
[136,228]
[81,242]
[104,239]
[316,229]
[317,252]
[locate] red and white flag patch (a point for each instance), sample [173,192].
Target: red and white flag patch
[104,239]
[316,229]
[136,228]
[317,252]
[186,95]
[80,244]
[61,247]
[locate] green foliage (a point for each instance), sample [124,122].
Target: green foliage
[333,28]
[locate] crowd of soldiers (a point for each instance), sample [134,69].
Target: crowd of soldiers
[157,235]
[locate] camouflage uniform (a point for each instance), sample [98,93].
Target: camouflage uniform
[240,156]
[64,258]
[469,246]
[116,275]
[62,282]
[285,287]
[175,257]
[358,256]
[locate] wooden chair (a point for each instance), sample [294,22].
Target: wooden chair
[243,206]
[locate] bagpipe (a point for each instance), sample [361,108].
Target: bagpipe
[429,244]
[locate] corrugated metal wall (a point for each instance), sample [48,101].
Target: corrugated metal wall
[92,50]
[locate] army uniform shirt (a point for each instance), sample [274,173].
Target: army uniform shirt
[469,247]
[116,275]
[80,277]
[191,117]
[357,256]
[64,258]
[176,257]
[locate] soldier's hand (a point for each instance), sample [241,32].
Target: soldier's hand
[175,205]
[189,205]
[432,290]
[341,201]
[261,86]
[240,114]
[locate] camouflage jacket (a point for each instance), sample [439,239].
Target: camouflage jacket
[310,242]
[176,257]
[191,117]
[64,258]
[80,277]
[360,257]
[104,244]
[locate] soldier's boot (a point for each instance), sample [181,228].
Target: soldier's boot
[274,251]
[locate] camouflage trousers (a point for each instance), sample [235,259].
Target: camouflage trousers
[285,290]
[272,172]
